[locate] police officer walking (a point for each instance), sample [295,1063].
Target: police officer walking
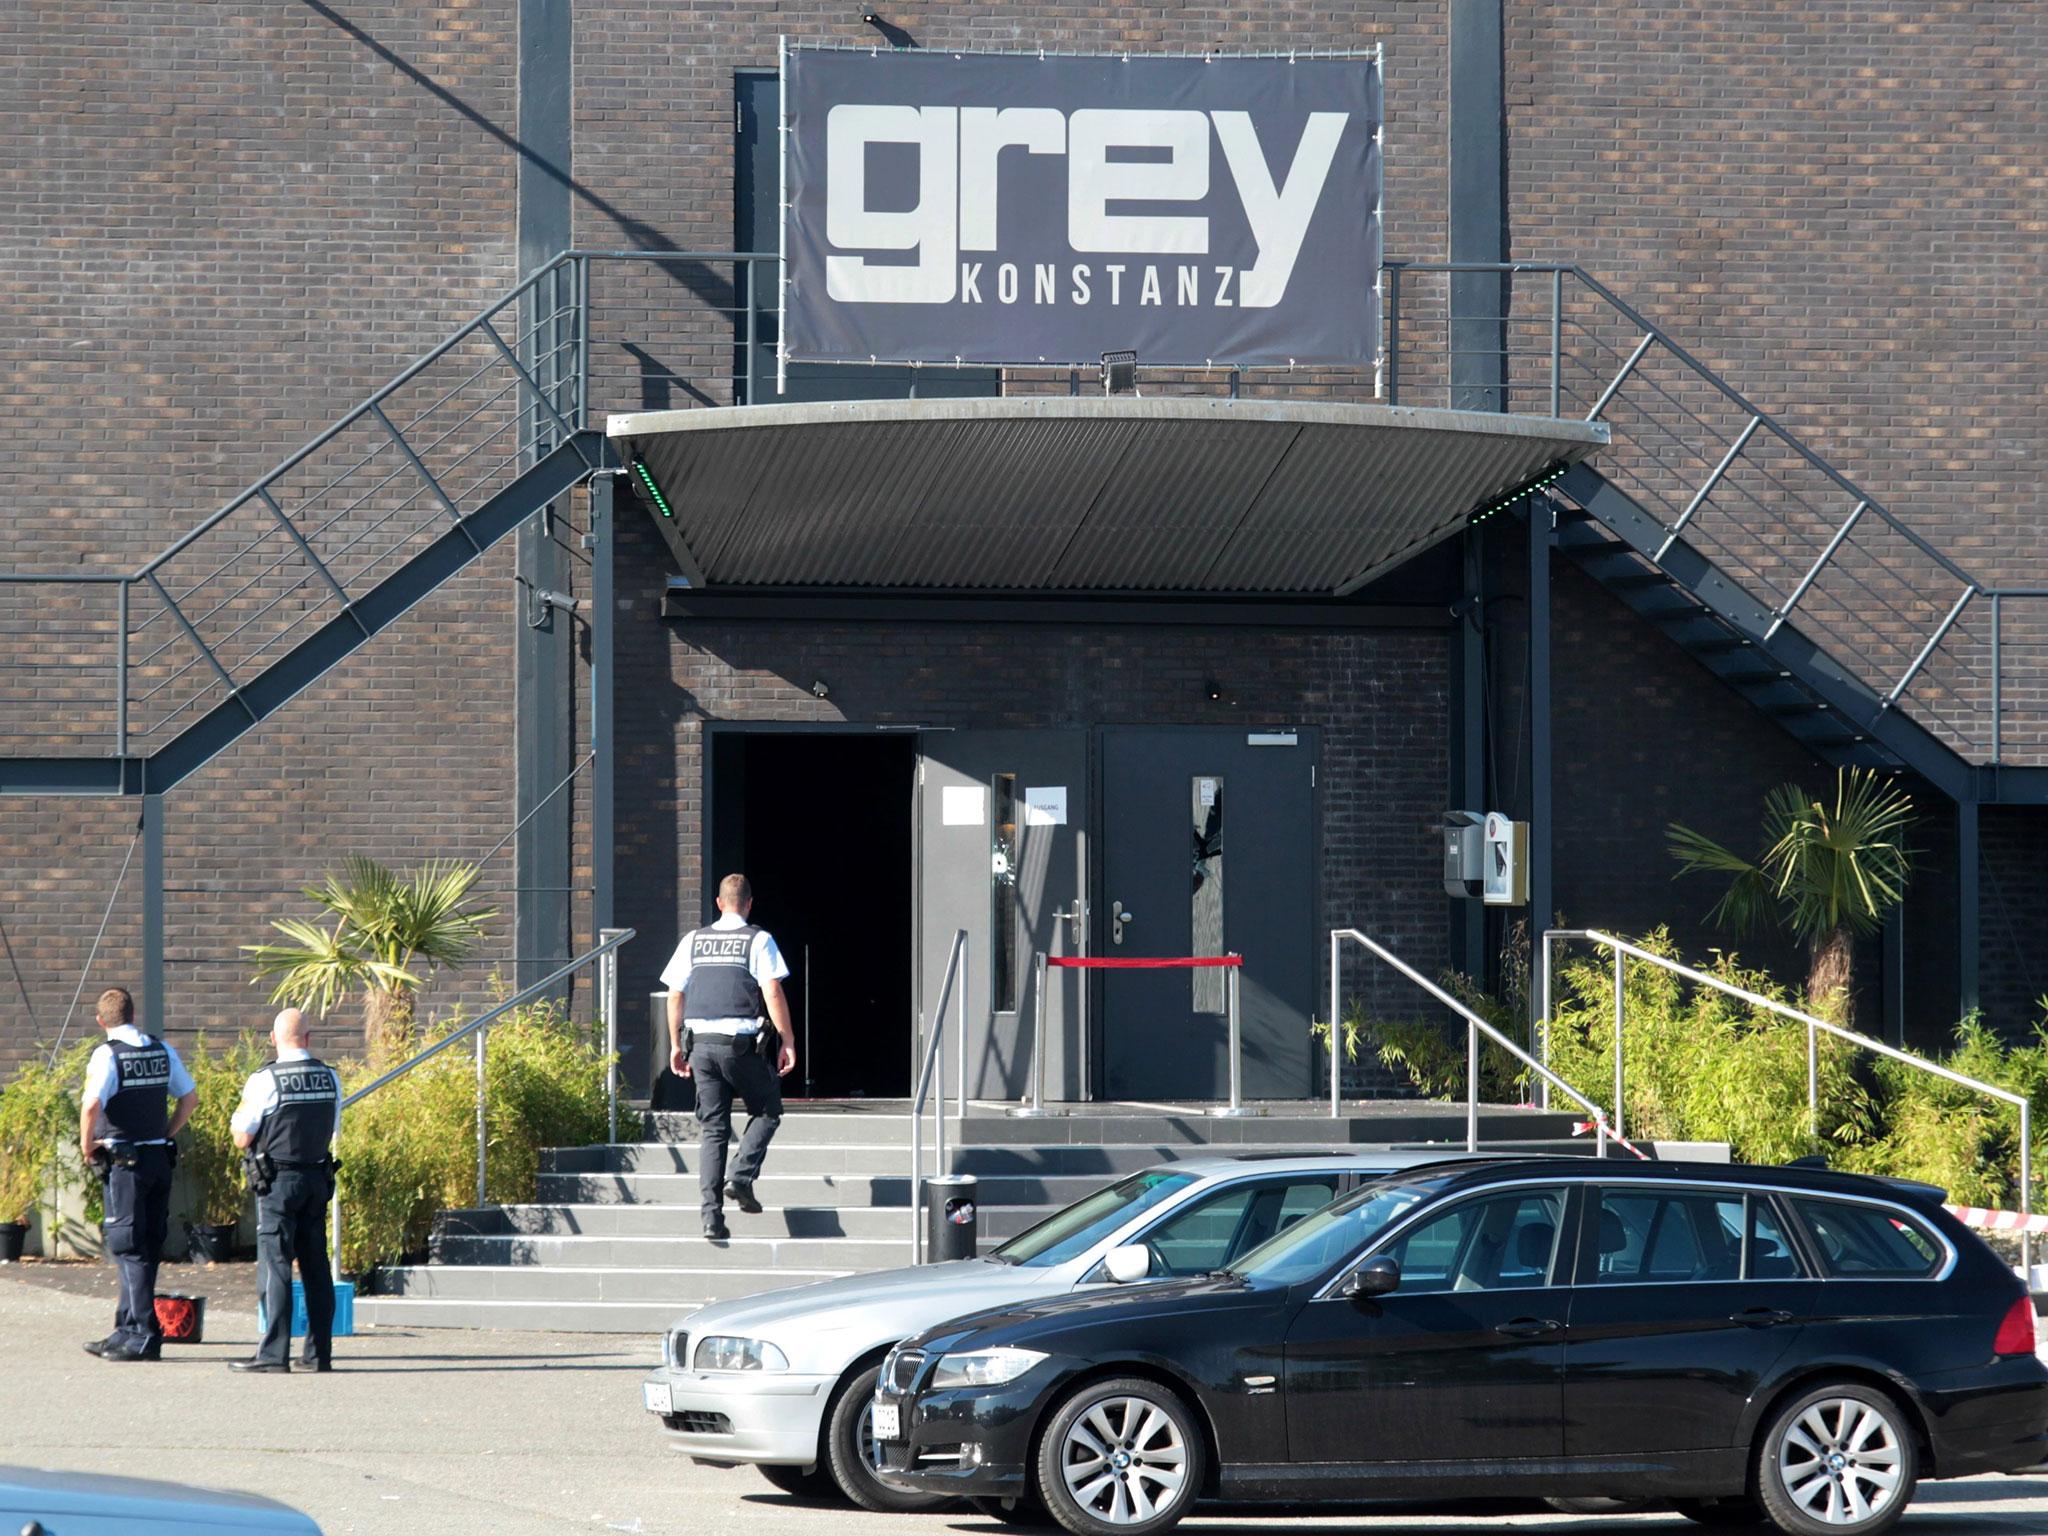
[287,1121]
[126,1123]
[724,985]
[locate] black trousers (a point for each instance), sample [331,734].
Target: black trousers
[138,1213]
[720,1068]
[291,1224]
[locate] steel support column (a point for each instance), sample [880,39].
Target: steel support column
[153,1012]
[1542,536]
[1969,904]
[603,611]
[545,748]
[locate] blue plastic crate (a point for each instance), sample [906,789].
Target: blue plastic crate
[344,1310]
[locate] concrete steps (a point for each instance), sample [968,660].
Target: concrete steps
[611,1242]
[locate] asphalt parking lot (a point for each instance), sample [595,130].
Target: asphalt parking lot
[518,1433]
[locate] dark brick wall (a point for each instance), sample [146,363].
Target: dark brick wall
[1379,697]
[2012,963]
[226,224]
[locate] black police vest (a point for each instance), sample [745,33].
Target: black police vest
[139,1107]
[301,1124]
[721,983]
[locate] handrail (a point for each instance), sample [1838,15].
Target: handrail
[934,1070]
[607,947]
[1475,1026]
[1815,1027]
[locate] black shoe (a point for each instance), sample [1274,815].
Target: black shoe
[741,1193]
[715,1228]
[99,1347]
[315,1365]
[125,1354]
[153,1350]
[261,1367]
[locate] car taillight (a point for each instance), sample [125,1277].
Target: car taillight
[2016,1333]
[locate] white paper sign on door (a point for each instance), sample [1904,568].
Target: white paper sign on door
[962,805]
[1046,807]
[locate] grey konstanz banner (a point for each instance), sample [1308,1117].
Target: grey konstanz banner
[1008,208]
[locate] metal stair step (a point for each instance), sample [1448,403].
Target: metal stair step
[779,1254]
[673,1287]
[633,1221]
[647,1318]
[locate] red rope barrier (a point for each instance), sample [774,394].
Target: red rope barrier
[1177,963]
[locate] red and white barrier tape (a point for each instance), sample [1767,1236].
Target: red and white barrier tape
[1588,1127]
[1997,1221]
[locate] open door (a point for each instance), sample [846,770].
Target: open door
[1002,854]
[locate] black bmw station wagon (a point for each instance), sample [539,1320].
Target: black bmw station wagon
[1744,1344]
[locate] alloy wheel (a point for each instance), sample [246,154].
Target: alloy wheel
[1124,1460]
[1840,1462]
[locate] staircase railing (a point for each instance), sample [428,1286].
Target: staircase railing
[1623,952]
[1475,1027]
[1807,544]
[933,1073]
[113,673]
[477,1030]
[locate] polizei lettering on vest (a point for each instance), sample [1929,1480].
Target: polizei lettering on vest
[1114,158]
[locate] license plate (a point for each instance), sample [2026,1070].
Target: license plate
[888,1421]
[657,1395]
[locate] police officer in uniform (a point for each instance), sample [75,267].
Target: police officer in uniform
[288,1119]
[126,1123]
[724,986]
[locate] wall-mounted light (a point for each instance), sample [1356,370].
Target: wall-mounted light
[1213,689]
[819,690]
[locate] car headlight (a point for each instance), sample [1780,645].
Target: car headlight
[722,1353]
[983,1367]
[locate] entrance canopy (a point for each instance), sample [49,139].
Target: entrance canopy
[1078,493]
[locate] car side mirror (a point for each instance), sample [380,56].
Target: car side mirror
[1131,1262]
[1375,1277]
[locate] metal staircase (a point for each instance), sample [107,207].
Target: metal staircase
[1735,538]
[130,681]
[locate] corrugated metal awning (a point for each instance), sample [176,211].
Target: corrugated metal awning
[1080,493]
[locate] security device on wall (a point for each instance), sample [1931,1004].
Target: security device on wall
[1486,856]
[1464,861]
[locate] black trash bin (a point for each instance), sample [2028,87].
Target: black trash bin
[952,1226]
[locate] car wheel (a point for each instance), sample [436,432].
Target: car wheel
[1120,1458]
[1723,1514]
[1018,1514]
[1597,1506]
[850,1450]
[813,1484]
[1837,1461]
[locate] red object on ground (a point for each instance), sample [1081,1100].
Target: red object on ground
[1106,963]
[182,1318]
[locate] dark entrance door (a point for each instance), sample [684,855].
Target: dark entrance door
[1208,849]
[820,822]
[1001,854]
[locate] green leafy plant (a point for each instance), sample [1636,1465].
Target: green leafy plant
[386,933]
[1828,874]
[409,1150]
[207,1148]
[38,1118]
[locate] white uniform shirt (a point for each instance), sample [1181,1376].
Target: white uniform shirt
[764,962]
[99,1077]
[259,1095]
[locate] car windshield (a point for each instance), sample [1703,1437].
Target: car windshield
[1087,1222]
[1331,1235]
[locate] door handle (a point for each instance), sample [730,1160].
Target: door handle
[1761,1317]
[1119,914]
[1529,1327]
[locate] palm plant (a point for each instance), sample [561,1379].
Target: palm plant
[1827,875]
[387,933]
